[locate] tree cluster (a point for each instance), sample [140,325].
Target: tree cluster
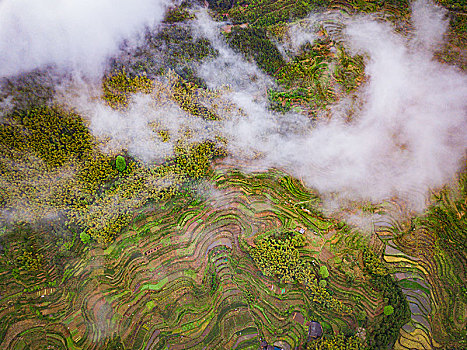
[178,14]
[279,257]
[50,133]
[386,330]
[185,94]
[50,167]
[337,342]
[120,85]
[254,43]
[31,260]
[194,160]
[261,13]
[373,264]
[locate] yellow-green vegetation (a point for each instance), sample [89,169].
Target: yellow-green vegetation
[182,273]
[31,260]
[323,283]
[68,176]
[373,264]
[323,271]
[120,85]
[306,68]
[178,14]
[371,6]
[194,160]
[279,256]
[439,241]
[41,152]
[105,229]
[110,209]
[85,238]
[51,166]
[262,13]
[180,48]
[95,171]
[453,5]
[306,81]
[190,97]
[55,135]
[185,94]
[337,342]
[164,135]
[30,191]
[453,51]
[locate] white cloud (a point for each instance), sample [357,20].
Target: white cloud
[409,136]
[72,34]
[430,23]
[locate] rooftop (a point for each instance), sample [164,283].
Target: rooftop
[315,330]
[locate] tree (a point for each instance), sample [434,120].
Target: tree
[85,238]
[323,271]
[388,310]
[120,163]
[336,342]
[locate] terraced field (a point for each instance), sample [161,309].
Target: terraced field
[431,269]
[181,276]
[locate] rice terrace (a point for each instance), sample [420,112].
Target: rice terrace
[233,174]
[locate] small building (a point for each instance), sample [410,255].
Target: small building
[315,330]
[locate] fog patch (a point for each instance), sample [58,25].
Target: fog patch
[77,35]
[410,135]
[430,23]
